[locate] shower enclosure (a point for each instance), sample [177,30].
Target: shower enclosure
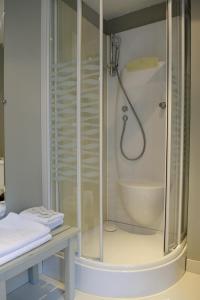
[119,114]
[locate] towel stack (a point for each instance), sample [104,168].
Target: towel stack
[44,216]
[19,235]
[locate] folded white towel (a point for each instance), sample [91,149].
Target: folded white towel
[27,248]
[44,216]
[17,232]
[55,224]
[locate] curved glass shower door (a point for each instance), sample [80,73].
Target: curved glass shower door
[143,201]
[63,108]
[90,132]
[178,123]
[76,119]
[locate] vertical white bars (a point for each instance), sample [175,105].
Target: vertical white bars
[45,88]
[101,128]
[182,119]
[169,113]
[56,102]
[79,38]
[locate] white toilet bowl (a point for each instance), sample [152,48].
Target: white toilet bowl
[142,201]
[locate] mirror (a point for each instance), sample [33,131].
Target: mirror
[2,188]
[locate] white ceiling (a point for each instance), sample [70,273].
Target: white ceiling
[116,8]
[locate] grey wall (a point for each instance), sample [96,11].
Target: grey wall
[1,105]
[23,126]
[22,112]
[194,202]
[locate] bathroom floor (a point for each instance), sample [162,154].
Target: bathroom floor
[188,288]
[123,247]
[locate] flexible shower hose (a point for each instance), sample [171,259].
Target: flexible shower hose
[125,119]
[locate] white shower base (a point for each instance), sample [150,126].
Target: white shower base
[134,265]
[125,248]
[112,280]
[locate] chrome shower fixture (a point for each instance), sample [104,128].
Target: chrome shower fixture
[124,108]
[115,42]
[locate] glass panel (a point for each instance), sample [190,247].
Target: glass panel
[187,118]
[63,85]
[175,113]
[137,48]
[1,101]
[90,132]
[2,154]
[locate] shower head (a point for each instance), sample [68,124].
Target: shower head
[115,43]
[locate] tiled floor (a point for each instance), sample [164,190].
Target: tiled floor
[188,288]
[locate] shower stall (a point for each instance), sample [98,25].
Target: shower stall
[119,115]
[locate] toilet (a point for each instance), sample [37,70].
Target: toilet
[142,201]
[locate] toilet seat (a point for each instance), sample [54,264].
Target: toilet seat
[143,201]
